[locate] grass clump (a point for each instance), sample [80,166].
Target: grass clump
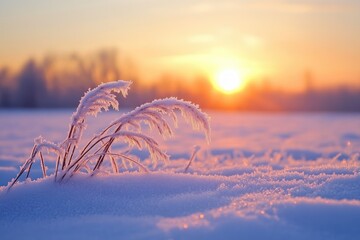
[127,128]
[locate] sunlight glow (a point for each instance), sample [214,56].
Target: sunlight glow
[229,81]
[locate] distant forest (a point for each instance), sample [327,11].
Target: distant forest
[59,82]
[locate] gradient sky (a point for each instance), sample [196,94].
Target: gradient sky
[274,39]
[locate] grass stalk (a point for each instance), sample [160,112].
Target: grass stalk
[42,164]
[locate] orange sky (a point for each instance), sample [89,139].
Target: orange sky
[275,39]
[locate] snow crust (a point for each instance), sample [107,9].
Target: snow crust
[263,176]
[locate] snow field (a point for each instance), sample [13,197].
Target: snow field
[264,176]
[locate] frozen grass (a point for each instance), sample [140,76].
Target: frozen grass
[128,128]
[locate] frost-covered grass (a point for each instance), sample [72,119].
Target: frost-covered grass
[128,128]
[263,176]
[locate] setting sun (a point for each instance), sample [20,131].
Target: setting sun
[229,81]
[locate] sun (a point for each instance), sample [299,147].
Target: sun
[229,81]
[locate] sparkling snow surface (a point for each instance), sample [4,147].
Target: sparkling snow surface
[263,176]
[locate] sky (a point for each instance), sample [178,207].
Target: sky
[277,40]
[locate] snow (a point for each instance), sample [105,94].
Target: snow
[263,176]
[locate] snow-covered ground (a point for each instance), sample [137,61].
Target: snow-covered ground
[263,176]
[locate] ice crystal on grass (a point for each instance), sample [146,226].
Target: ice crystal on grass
[43,145]
[127,128]
[40,146]
[100,98]
[152,115]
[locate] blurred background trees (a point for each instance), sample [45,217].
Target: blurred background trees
[60,81]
